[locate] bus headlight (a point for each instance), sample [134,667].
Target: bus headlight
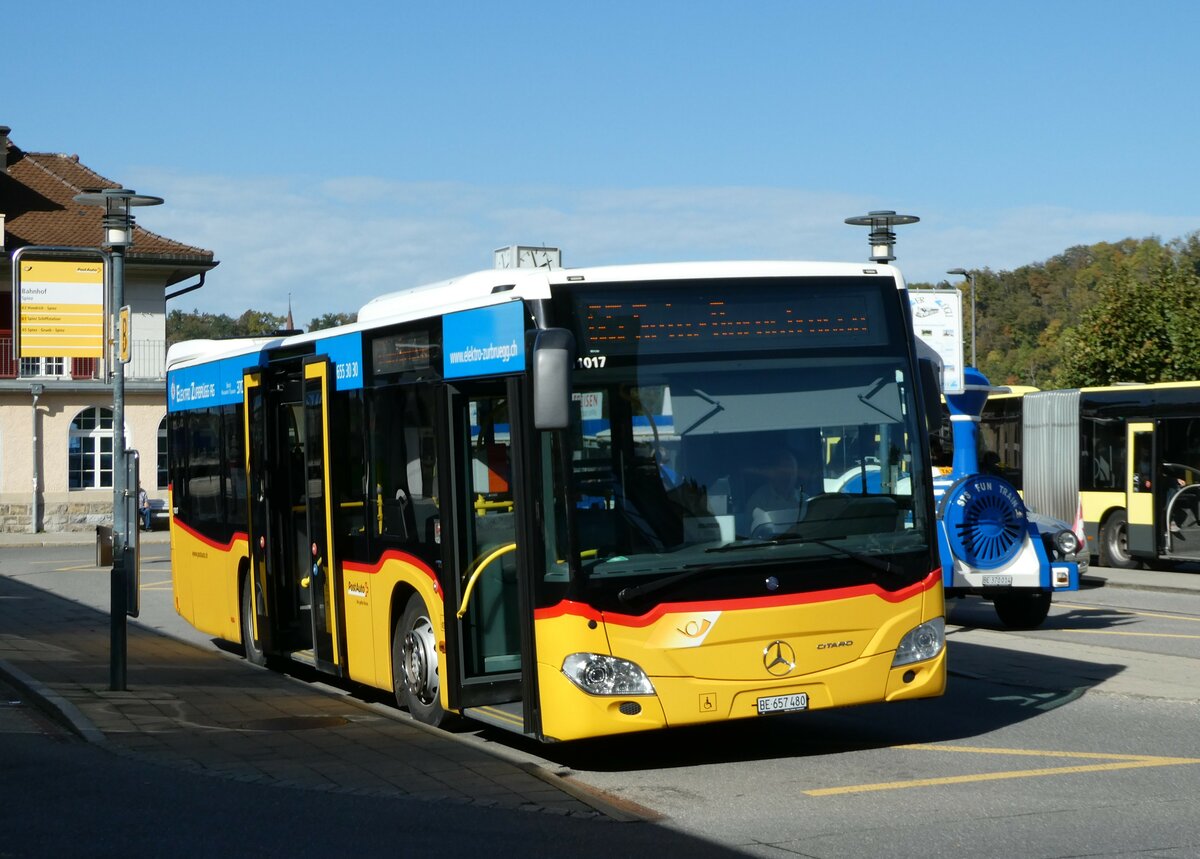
[1067,543]
[597,674]
[921,642]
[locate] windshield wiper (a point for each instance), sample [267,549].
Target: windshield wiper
[871,561]
[866,398]
[628,595]
[716,407]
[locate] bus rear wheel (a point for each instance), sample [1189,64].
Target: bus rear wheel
[253,649]
[1022,611]
[415,677]
[1114,543]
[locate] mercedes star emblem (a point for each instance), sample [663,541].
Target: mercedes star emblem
[779,659]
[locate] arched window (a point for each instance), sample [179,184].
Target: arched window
[163,478]
[90,451]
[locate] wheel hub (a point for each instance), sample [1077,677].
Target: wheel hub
[420,661]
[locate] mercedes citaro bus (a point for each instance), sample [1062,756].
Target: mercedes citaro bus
[575,502]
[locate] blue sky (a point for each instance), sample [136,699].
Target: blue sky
[338,151]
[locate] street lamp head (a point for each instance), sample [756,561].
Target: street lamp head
[961,271]
[882,237]
[118,220]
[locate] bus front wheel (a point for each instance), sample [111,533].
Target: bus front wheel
[415,665]
[1114,543]
[1022,611]
[254,651]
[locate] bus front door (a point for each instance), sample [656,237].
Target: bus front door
[257,603]
[489,604]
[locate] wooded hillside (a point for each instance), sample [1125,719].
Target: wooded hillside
[1127,311]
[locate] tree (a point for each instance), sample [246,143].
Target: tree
[257,323]
[212,326]
[331,320]
[198,326]
[1139,330]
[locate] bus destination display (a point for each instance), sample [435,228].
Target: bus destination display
[622,322]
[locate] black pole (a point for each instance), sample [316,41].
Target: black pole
[118,606]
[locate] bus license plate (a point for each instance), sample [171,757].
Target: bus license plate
[994,581]
[783,703]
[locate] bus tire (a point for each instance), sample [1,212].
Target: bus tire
[1022,610]
[1114,543]
[253,650]
[415,677]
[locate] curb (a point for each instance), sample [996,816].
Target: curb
[53,704]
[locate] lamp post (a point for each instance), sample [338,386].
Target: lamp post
[970,276]
[882,237]
[118,237]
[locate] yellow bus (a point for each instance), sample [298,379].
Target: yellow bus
[533,497]
[1126,456]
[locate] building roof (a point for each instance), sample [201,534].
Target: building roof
[37,192]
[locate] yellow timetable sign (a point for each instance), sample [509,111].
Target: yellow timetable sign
[62,309]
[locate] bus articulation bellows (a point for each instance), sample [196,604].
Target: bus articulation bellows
[575,502]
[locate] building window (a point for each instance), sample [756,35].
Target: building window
[163,477]
[42,366]
[90,452]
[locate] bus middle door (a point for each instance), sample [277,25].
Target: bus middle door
[324,579]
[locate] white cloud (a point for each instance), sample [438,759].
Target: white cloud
[337,243]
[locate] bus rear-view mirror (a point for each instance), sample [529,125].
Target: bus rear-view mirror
[553,354]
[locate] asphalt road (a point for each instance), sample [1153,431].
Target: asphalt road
[1077,739]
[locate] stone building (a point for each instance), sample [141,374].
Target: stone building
[56,455]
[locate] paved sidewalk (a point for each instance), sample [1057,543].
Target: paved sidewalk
[211,713]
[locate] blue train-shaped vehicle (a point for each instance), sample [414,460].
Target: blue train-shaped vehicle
[991,544]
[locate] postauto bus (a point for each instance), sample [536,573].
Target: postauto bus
[524,496]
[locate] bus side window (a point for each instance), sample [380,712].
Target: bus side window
[404,466]
[1143,468]
[347,455]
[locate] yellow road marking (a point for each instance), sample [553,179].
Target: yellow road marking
[1039,753]
[1115,762]
[151,586]
[1192,618]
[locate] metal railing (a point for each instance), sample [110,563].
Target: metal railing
[147,360]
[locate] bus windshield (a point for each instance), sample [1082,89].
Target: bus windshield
[736,469]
